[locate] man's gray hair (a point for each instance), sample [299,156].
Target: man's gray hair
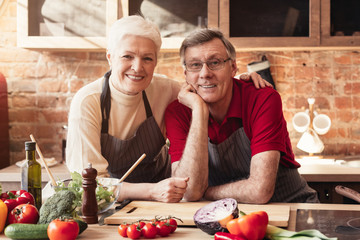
[133,25]
[204,35]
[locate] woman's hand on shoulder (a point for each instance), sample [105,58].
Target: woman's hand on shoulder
[258,81]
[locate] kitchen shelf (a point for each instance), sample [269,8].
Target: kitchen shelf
[340,23]
[44,24]
[264,24]
[285,24]
[250,25]
[174,18]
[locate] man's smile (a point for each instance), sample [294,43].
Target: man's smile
[208,86]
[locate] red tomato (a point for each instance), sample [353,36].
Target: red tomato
[134,231]
[163,228]
[66,229]
[24,213]
[122,229]
[173,224]
[149,230]
[141,224]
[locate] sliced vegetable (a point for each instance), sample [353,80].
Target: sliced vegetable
[276,233]
[227,236]
[213,217]
[249,226]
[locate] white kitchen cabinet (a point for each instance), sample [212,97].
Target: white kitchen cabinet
[65,24]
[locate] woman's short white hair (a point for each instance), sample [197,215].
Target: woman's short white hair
[133,25]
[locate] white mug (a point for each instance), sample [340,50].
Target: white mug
[321,124]
[301,121]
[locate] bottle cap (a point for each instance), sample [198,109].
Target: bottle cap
[30,146]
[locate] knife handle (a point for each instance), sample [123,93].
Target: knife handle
[348,192]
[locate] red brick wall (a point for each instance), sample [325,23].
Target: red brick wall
[42,83]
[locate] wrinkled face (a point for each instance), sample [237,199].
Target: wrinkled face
[132,64]
[214,86]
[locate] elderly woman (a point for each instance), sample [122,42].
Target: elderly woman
[117,118]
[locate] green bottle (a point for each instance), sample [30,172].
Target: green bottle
[33,174]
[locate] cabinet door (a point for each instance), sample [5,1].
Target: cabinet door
[340,23]
[268,24]
[175,18]
[64,24]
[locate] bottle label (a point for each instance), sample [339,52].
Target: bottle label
[24,175]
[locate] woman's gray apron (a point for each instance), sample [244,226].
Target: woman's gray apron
[122,154]
[230,160]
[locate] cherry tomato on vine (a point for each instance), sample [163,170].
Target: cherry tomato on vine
[163,228]
[173,224]
[141,224]
[134,231]
[149,230]
[66,229]
[122,229]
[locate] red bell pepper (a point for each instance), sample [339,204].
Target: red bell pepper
[15,198]
[251,227]
[227,236]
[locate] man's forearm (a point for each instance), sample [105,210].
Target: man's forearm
[194,161]
[258,188]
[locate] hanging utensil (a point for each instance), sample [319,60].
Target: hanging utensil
[348,192]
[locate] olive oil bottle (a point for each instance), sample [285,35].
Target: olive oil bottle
[31,174]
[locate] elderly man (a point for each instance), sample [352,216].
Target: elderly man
[228,137]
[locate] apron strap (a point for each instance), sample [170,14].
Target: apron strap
[147,105]
[105,103]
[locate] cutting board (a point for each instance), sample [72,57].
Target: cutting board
[147,210]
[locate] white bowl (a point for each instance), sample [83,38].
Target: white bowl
[109,186]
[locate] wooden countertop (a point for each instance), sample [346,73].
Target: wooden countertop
[109,232]
[317,171]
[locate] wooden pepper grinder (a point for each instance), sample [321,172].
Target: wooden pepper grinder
[89,206]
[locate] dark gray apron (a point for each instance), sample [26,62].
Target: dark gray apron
[122,154]
[230,160]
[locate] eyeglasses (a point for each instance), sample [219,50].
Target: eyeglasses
[213,64]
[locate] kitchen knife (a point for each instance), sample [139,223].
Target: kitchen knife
[112,211]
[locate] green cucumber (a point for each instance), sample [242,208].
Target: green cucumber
[26,231]
[82,225]
[34,231]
